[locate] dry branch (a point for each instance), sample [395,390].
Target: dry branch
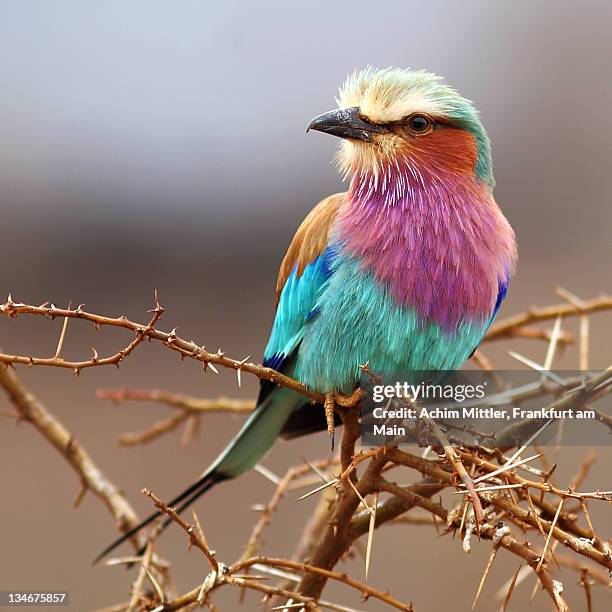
[187,349]
[223,574]
[178,400]
[497,491]
[159,428]
[91,477]
[509,327]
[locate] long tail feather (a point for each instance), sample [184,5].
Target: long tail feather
[254,439]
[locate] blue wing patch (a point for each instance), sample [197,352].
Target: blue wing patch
[501,294]
[297,306]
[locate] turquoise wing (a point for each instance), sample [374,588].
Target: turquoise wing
[303,276]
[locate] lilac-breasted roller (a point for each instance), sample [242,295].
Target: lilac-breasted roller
[405,271]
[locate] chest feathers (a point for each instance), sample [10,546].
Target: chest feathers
[443,250]
[415,282]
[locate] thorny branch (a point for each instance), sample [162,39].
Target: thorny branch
[223,574]
[512,326]
[190,410]
[186,348]
[189,349]
[517,514]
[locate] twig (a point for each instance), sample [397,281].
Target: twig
[11,309]
[506,328]
[159,428]
[178,400]
[195,536]
[579,545]
[187,349]
[365,590]
[139,582]
[412,498]
[228,575]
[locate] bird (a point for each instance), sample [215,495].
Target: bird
[404,271]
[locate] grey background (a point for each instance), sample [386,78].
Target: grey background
[162,145]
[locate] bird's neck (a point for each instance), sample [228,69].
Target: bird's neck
[404,183]
[438,242]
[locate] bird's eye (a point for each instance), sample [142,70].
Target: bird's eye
[419,124]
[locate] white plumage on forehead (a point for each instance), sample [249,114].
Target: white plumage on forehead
[392,94]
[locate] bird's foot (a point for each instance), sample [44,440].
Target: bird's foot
[330,404]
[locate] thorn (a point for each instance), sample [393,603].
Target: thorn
[62,337]
[81,494]
[505,468]
[213,368]
[371,528]
[361,499]
[485,574]
[315,469]
[266,473]
[239,371]
[320,488]
[550,533]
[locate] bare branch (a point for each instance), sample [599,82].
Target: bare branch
[92,478]
[186,348]
[508,328]
[178,400]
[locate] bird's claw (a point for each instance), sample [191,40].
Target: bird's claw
[329,416]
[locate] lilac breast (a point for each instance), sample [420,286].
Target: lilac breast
[442,248]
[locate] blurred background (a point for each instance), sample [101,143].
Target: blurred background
[154,145]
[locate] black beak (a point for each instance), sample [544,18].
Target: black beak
[346,123]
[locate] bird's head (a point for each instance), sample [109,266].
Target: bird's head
[395,120]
